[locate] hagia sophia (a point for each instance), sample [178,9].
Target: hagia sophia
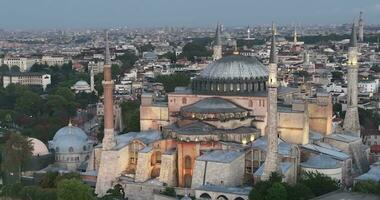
[231,128]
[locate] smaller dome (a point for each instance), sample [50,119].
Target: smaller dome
[70,139]
[321,162]
[81,83]
[39,148]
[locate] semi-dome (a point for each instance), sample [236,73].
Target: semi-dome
[235,66]
[39,148]
[232,75]
[70,139]
[214,108]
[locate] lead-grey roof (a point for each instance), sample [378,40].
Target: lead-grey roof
[328,151]
[213,105]
[145,137]
[221,156]
[284,167]
[321,162]
[373,174]
[262,142]
[235,66]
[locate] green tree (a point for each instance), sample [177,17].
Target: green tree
[128,59]
[337,75]
[172,81]
[146,47]
[66,93]
[74,189]
[131,115]
[299,192]
[276,192]
[29,103]
[116,71]
[35,192]
[169,191]
[192,51]
[370,187]
[319,183]
[4,68]
[18,150]
[115,193]
[15,69]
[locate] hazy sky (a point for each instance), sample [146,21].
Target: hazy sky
[26,14]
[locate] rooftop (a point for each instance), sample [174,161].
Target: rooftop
[222,156]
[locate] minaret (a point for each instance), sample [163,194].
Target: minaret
[295,36]
[271,160]
[92,82]
[218,44]
[248,33]
[351,121]
[361,28]
[108,166]
[109,135]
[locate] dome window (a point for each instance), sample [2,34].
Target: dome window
[57,149]
[71,149]
[84,148]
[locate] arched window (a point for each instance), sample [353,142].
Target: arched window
[222,197]
[84,148]
[71,149]
[188,162]
[205,196]
[184,100]
[239,198]
[57,149]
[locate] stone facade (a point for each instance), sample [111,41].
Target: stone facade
[218,173]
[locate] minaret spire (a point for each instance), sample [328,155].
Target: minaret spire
[295,35]
[361,27]
[217,44]
[109,135]
[351,123]
[271,160]
[273,55]
[354,36]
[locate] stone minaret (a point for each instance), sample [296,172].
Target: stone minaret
[109,133]
[108,167]
[351,121]
[218,44]
[295,36]
[361,28]
[271,160]
[248,33]
[92,82]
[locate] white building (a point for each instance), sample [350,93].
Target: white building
[51,61]
[368,86]
[24,63]
[96,66]
[32,79]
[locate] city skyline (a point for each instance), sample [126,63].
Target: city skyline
[45,14]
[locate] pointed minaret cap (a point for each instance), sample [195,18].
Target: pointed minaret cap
[107,56]
[273,56]
[218,40]
[354,37]
[70,124]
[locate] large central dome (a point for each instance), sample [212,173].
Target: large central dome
[235,66]
[232,75]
